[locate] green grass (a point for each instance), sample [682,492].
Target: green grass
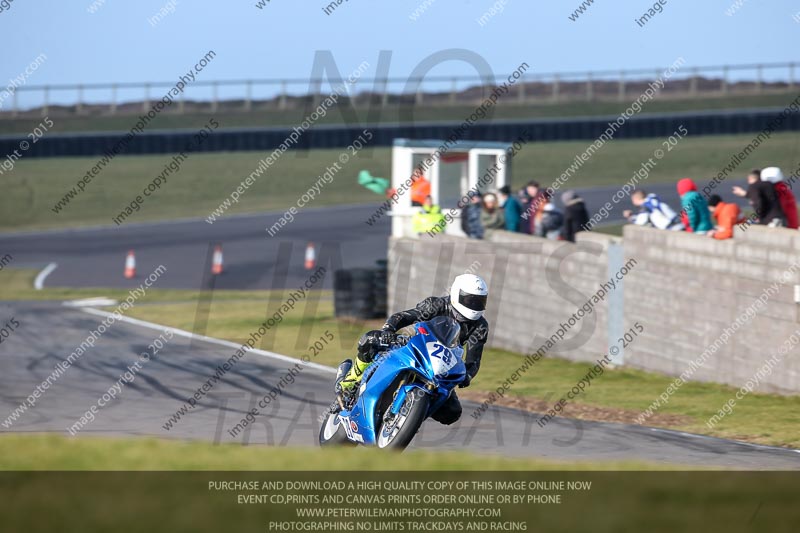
[392,113]
[56,452]
[205,180]
[760,418]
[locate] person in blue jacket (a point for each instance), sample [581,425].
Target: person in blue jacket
[511,207]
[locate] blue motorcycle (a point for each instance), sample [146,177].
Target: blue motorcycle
[402,387]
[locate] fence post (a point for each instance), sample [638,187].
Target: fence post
[556,88]
[248,101]
[282,98]
[725,79]
[760,80]
[589,87]
[214,96]
[79,107]
[693,82]
[46,106]
[146,101]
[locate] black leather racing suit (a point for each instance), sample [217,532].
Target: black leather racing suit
[474,334]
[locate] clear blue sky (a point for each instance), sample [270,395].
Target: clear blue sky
[117,44]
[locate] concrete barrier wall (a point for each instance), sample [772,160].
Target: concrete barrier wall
[685,291]
[716,310]
[536,286]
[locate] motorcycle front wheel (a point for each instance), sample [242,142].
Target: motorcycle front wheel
[397,430]
[332,432]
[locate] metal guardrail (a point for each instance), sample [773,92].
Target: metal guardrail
[243,95]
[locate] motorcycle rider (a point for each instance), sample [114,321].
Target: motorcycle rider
[466,304]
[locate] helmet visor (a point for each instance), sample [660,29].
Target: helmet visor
[476,302]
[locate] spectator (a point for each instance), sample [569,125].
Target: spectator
[511,208]
[575,215]
[534,206]
[726,214]
[429,218]
[492,216]
[763,200]
[784,194]
[695,207]
[551,221]
[652,211]
[471,217]
[420,188]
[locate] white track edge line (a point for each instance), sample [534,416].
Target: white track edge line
[38,283]
[211,340]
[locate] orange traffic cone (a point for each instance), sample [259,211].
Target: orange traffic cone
[216,261]
[311,256]
[130,265]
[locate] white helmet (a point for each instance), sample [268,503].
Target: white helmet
[468,296]
[772,175]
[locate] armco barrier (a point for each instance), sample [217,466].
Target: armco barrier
[339,136]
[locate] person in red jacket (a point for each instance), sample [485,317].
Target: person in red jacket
[726,215]
[784,193]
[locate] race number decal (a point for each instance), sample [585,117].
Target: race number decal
[442,359]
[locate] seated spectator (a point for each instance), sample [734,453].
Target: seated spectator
[511,208]
[492,216]
[552,220]
[695,207]
[471,217]
[653,212]
[763,200]
[575,215]
[428,219]
[726,214]
[784,193]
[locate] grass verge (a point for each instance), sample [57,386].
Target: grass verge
[205,180]
[55,452]
[619,395]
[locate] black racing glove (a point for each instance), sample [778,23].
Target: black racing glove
[464,384]
[387,337]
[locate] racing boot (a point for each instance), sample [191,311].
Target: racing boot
[352,375]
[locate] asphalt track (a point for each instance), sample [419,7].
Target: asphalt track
[48,332]
[94,257]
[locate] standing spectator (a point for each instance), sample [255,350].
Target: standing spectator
[726,214]
[653,211]
[575,215]
[534,206]
[420,188]
[511,208]
[763,200]
[492,216]
[551,221]
[428,219]
[471,217]
[784,193]
[695,207]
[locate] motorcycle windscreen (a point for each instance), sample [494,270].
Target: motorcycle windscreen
[445,329]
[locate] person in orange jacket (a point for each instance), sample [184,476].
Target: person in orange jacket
[726,216]
[420,188]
